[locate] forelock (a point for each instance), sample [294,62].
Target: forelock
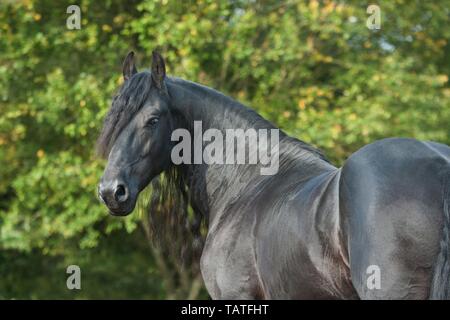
[129,100]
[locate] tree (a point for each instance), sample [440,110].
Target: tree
[311,67]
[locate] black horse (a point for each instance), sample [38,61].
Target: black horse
[377,228]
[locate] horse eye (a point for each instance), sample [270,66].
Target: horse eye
[152,121]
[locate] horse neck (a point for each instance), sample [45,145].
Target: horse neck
[213,187]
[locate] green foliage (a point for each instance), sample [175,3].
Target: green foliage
[111,271]
[312,67]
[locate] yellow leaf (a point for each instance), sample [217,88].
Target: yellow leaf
[313,5]
[106,28]
[286,114]
[442,78]
[302,104]
[335,130]
[329,7]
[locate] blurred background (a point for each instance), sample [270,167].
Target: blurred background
[312,67]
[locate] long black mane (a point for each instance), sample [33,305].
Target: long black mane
[126,103]
[176,203]
[132,95]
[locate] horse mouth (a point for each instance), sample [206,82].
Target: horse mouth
[122,210]
[119,213]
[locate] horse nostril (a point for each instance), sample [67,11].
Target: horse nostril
[121,195]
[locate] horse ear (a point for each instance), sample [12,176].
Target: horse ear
[129,68]
[158,70]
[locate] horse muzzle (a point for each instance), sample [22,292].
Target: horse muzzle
[117,197]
